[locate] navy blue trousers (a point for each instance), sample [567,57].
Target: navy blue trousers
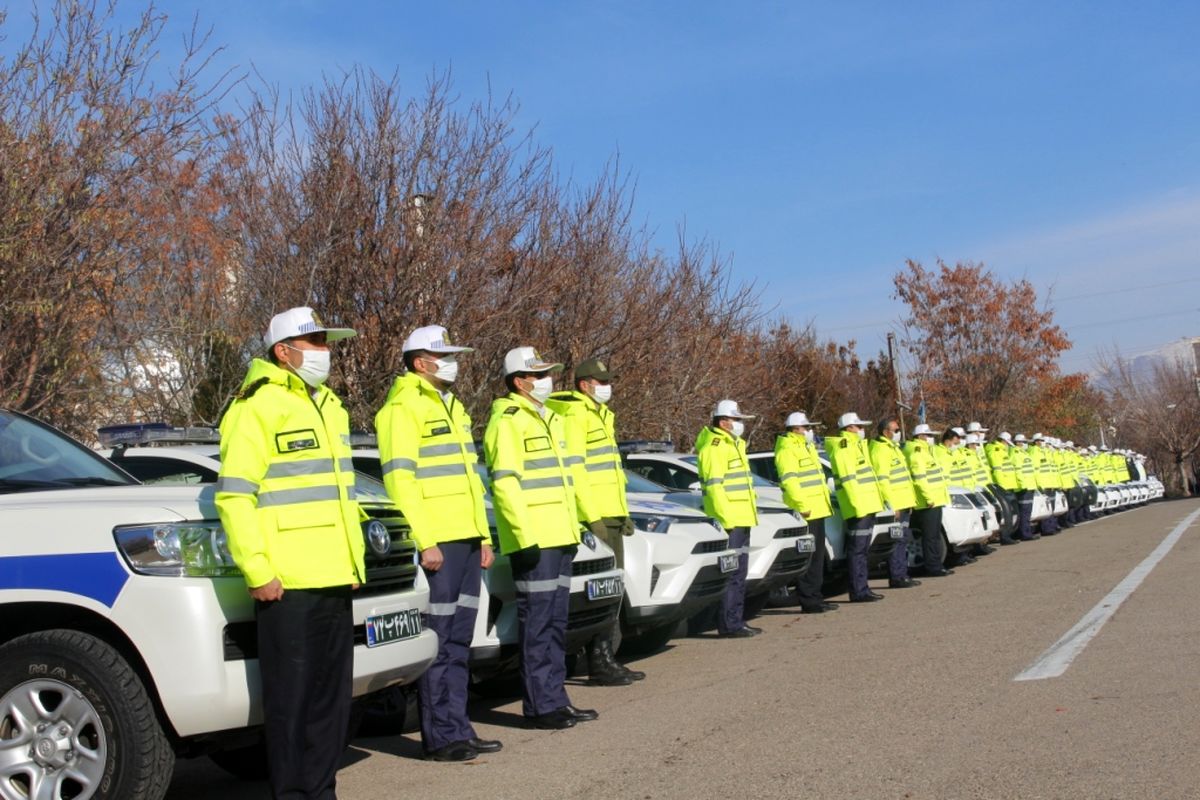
[898,560]
[928,522]
[543,582]
[858,544]
[731,616]
[808,585]
[306,659]
[453,606]
[1024,512]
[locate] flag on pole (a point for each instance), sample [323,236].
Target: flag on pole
[921,412]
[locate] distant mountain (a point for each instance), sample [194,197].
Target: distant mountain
[1142,364]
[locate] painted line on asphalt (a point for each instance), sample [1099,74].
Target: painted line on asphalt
[1058,657]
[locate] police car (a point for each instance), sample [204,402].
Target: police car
[127,633]
[780,545]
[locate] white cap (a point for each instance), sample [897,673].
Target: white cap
[975,427]
[302,321]
[434,339]
[973,438]
[961,433]
[729,408]
[924,430]
[1037,437]
[851,418]
[1070,443]
[798,419]
[1093,448]
[1005,436]
[527,359]
[1020,438]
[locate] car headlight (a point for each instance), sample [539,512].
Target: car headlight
[961,501]
[652,523]
[177,549]
[799,516]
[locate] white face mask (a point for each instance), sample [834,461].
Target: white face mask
[447,368]
[896,437]
[603,393]
[739,428]
[542,387]
[808,434]
[314,369]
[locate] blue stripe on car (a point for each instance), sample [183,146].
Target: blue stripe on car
[100,576]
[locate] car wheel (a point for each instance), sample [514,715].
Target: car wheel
[754,605]
[388,711]
[650,641]
[76,722]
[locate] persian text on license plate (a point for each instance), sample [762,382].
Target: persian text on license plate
[896,531]
[729,562]
[393,627]
[805,545]
[600,588]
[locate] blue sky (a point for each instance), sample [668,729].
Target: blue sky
[822,144]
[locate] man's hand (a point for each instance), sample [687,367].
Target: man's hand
[431,558]
[486,556]
[268,592]
[627,526]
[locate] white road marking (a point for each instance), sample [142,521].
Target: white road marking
[1058,657]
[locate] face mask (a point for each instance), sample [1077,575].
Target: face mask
[314,369]
[809,435]
[896,437]
[603,393]
[739,428]
[542,387]
[447,368]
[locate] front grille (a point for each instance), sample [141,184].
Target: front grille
[241,640]
[788,533]
[593,566]
[715,546]
[706,588]
[397,571]
[787,561]
[589,616]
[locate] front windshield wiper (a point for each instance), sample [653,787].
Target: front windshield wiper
[92,481]
[17,484]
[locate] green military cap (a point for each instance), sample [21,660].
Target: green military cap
[593,368]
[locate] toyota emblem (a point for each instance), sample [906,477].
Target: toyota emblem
[379,540]
[589,539]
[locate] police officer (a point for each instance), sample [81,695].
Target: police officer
[1048,479]
[932,494]
[858,498]
[1004,481]
[1026,487]
[805,490]
[599,489]
[285,496]
[525,445]
[957,473]
[427,454]
[896,488]
[729,499]
[980,478]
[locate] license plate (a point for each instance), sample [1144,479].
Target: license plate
[805,545]
[600,588]
[729,562]
[896,531]
[393,627]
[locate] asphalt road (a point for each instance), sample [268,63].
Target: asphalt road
[911,697]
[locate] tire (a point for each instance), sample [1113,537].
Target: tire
[650,641]
[754,605]
[247,763]
[108,714]
[390,711]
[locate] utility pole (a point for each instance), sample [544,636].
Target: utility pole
[891,343]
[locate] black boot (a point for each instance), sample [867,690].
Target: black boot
[603,670]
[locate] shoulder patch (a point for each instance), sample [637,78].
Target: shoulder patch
[845,443]
[512,410]
[248,392]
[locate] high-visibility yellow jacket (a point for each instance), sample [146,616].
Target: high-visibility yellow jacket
[1026,469]
[1048,478]
[953,466]
[729,495]
[980,473]
[1004,471]
[853,477]
[805,488]
[285,493]
[891,472]
[429,463]
[929,479]
[532,492]
[592,455]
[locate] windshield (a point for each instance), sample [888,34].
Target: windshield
[756,479]
[35,456]
[636,483]
[369,489]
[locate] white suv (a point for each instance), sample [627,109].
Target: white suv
[127,633]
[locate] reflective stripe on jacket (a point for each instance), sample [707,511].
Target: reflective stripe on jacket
[853,477]
[1026,469]
[929,479]
[725,479]
[801,476]
[891,469]
[532,491]
[1048,478]
[285,493]
[592,455]
[428,458]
